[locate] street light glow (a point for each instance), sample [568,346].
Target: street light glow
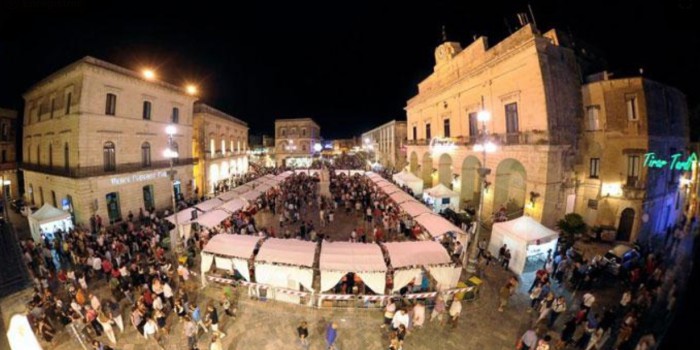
[170,154]
[149,74]
[191,89]
[483,116]
[170,129]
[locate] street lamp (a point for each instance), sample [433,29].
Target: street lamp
[483,145]
[171,153]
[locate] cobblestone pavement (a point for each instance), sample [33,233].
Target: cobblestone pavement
[271,325]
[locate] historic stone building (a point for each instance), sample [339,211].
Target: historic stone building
[8,155]
[295,140]
[387,143]
[530,85]
[633,170]
[94,141]
[220,144]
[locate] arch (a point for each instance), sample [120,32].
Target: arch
[413,163]
[469,177]
[624,228]
[146,154]
[510,187]
[445,170]
[213,176]
[427,170]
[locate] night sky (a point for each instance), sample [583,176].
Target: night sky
[349,65]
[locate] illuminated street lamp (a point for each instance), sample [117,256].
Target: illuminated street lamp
[171,153]
[483,145]
[191,89]
[149,74]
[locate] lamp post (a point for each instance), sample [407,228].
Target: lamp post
[483,145]
[171,154]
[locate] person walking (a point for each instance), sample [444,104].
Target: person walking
[303,333]
[190,330]
[105,322]
[455,311]
[506,259]
[389,311]
[332,336]
[503,296]
[438,310]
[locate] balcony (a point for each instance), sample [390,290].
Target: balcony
[8,166]
[83,172]
[219,155]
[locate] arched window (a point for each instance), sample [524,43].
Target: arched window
[109,156]
[212,147]
[223,146]
[231,144]
[146,154]
[50,156]
[66,157]
[175,118]
[111,104]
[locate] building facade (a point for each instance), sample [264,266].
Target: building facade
[220,144]
[530,85]
[634,166]
[8,154]
[387,144]
[340,146]
[94,141]
[295,140]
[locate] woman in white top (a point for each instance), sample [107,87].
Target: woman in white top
[150,328]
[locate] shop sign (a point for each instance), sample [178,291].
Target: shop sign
[123,180]
[674,163]
[441,145]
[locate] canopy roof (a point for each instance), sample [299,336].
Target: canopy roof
[287,251]
[419,253]
[251,195]
[401,197]
[212,218]
[390,189]
[441,191]
[383,183]
[372,175]
[264,187]
[414,209]
[233,205]
[183,216]
[351,257]
[436,225]
[209,204]
[234,193]
[48,213]
[407,176]
[236,246]
[526,229]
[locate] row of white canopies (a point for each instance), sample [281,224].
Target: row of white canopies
[289,263]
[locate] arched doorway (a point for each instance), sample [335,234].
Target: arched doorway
[413,163]
[427,170]
[510,188]
[445,170]
[624,230]
[470,190]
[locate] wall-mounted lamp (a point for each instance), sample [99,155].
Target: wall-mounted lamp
[486,186]
[533,198]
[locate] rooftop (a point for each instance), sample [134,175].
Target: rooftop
[200,107]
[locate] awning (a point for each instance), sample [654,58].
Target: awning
[419,253]
[234,193]
[212,218]
[209,204]
[236,246]
[251,195]
[233,205]
[436,225]
[183,216]
[351,257]
[401,197]
[414,208]
[287,251]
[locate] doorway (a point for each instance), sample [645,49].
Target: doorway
[148,201]
[178,189]
[113,207]
[624,230]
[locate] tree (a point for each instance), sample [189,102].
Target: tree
[571,226]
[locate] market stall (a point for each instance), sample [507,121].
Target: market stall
[229,252]
[212,218]
[340,258]
[414,208]
[234,205]
[251,196]
[527,239]
[401,197]
[408,259]
[209,204]
[408,179]
[184,221]
[437,226]
[441,197]
[234,193]
[48,220]
[288,264]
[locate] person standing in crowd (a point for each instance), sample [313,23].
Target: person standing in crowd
[303,333]
[503,296]
[455,311]
[528,341]
[389,311]
[190,330]
[331,336]
[506,259]
[438,310]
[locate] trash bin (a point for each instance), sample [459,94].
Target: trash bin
[474,283]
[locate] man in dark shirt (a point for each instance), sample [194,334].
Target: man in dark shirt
[303,332]
[213,318]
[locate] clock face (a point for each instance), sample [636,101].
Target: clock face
[441,53]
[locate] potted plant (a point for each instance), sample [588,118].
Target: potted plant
[571,228]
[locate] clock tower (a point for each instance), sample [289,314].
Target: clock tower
[446,51]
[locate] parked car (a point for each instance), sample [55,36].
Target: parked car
[621,258]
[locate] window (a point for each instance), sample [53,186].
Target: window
[212,147]
[593,121]
[50,156]
[446,127]
[111,105]
[632,112]
[109,155]
[283,132]
[473,125]
[633,167]
[231,144]
[238,146]
[66,157]
[4,156]
[69,97]
[147,110]
[594,170]
[53,105]
[53,198]
[223,146]
[175,118]
[146,154]
[427,131]
[38,155]
[512,122]
[415,133]
[303,132]
[31,193]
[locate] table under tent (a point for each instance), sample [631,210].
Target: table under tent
[528,240]
[287,264]
[48,220]
[345,259]
[231,253]
[411,260]
[408,179]
[441,197]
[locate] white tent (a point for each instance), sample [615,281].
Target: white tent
[234,205]
[251,195]
[184,220]
[441,197]
[401,197]
[48,219]
[414,208]
[286,263]
[406,178]
[20,335]
[209,204]
[525,237]
[407,258]
[229,252]
[212,218]
[340,258]
[384,183]
[436,225]
[234,193]
[388,190]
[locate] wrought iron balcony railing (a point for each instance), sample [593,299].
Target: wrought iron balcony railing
[101,170]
